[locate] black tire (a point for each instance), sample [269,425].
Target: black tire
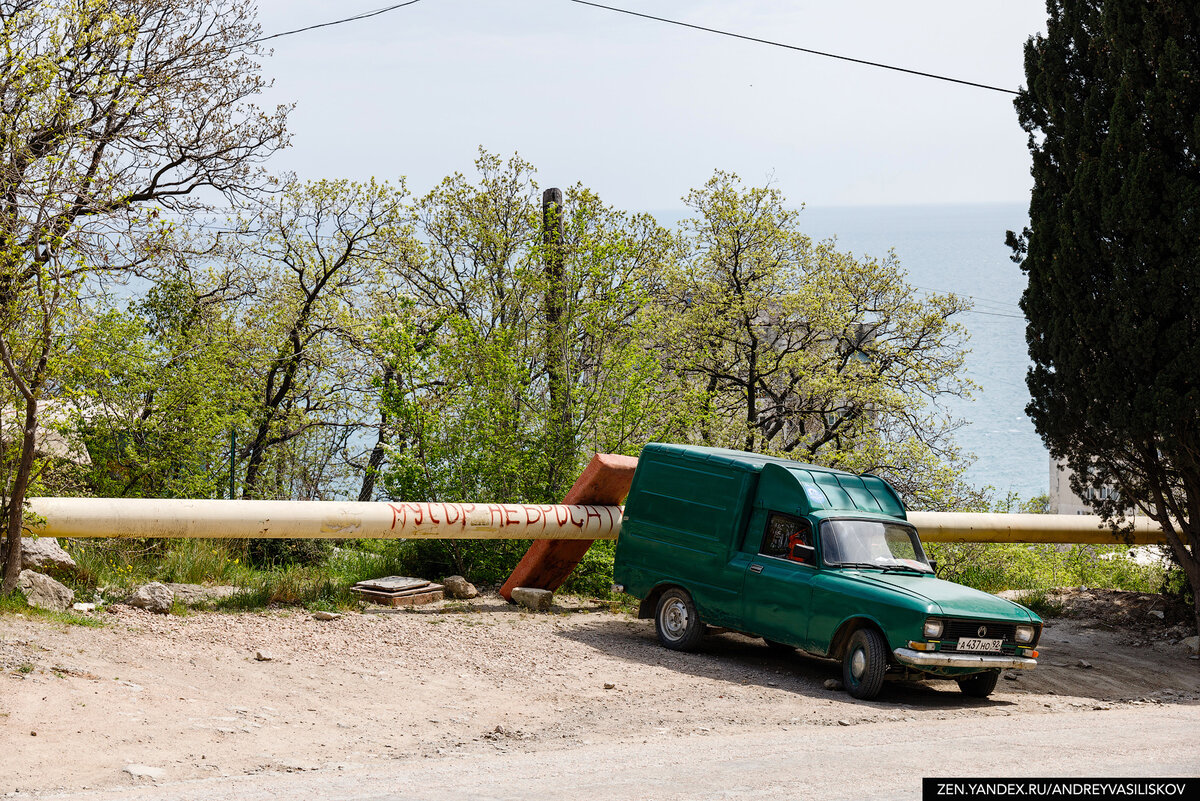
[677,622]
[864,664]
[780,648]
[979,685]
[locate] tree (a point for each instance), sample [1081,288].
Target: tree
[112,113]
[1111,255]
[794,348]
[319,253]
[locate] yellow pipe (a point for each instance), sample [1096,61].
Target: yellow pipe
[211,519]
[1069,529]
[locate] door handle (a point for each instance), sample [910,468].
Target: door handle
[756,568]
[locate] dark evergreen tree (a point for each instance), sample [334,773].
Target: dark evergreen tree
[1112,254]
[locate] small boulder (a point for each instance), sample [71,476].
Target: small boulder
[153,597]
[531,598]
[459,587]
[45,555]
[832,684]
[1158,613]
[264,656]
[189,594]
[1192,644]
[323,615]
[44,592]
[144,772]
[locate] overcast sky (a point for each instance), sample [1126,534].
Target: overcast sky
[641,111]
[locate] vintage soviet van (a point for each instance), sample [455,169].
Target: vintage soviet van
[806,557]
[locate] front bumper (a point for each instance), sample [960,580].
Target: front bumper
[907,656]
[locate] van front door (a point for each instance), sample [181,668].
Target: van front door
[777,591]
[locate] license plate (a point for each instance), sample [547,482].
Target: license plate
[976,644]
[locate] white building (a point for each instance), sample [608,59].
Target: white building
[1065,502]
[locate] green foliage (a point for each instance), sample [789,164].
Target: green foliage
[13,603]
[1114,272]
[284,552]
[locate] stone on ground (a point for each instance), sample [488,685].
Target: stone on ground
[531,598]
[44,592]
[1192,644]
[45,555]
[459,587]
[153,597]
[197,593]
[144,772]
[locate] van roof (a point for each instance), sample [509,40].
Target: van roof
[742,460]
[808,487]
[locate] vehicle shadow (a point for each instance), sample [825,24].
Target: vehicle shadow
[739,660]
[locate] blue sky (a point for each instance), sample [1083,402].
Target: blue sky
[642,111]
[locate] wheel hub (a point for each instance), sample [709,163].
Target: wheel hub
[675,619]
[858,663]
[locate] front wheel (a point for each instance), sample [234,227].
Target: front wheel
[677,622]
[979,685]
[864,664]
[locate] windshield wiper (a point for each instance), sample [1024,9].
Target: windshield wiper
[888,568]
[891,568]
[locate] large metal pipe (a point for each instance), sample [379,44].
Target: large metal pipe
[136,517]
[210,519]
[1070,529]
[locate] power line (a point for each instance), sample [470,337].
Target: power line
[364,15]
[795,47]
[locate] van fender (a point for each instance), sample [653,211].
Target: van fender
[649,604]
[846,629]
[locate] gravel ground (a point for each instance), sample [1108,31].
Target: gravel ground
[190,698]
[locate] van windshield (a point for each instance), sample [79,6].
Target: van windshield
[872,543]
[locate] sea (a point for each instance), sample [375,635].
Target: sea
[960,249]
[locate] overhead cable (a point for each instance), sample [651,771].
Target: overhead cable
[797,48]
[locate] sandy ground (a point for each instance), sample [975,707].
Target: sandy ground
[476,682]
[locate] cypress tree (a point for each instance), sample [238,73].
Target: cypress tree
[1112,255]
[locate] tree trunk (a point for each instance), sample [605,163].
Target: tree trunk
[367,492]
[16,498]
[559,419]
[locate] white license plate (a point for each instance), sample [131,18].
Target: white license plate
[976,644]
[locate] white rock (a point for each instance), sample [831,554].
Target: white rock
[263,656]
[532,598]
[1192,644]
[44,592]
[1158,613]
[459,587]
[322,615]
[153,597]
[44,554]
[145,771]
[84,607]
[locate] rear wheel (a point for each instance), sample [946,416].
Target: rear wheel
[864,664]
[677,622]
[979,685]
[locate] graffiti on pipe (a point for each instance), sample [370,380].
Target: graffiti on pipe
[519,521]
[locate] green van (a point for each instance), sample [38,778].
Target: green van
[806,557]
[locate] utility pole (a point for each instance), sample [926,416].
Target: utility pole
[555,302]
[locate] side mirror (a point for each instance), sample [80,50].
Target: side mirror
[933,566]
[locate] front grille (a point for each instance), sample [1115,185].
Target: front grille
[956,629]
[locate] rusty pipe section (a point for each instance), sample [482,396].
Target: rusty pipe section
[214,519]
[1065,529]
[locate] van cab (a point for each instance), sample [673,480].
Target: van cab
[806,557]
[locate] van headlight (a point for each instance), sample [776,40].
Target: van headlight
[933,628]
[1023,634]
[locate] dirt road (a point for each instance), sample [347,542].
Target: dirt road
[489,702]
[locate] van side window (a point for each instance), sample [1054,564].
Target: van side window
[788,537]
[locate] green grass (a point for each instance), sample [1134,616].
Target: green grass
[993,568]
[14,604]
